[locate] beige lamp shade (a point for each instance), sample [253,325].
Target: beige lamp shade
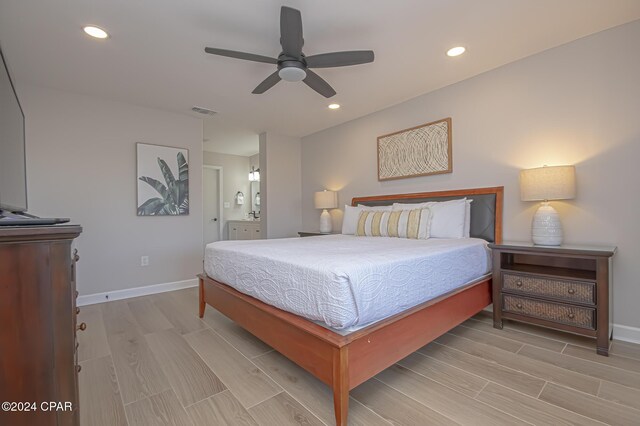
[325,199]
[548,183]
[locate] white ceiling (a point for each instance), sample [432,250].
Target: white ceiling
[224,137]
[155,54]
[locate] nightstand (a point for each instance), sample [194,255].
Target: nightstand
[313,233]
[566,287]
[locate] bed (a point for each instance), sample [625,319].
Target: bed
[345,344]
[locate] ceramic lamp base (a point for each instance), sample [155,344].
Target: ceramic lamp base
[546,228]
[325,221]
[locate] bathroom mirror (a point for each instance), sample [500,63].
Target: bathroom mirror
[255,197]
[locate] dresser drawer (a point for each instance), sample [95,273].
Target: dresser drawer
[566,314]
[571,291]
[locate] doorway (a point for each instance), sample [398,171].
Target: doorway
[212,203]
[235,149]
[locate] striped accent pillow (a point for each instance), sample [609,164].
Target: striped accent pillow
[414,223]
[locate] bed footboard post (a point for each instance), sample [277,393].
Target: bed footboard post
[201,301]
[341,384]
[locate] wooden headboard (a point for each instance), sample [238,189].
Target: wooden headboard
[486,208]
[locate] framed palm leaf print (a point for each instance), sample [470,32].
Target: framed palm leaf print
[163,180]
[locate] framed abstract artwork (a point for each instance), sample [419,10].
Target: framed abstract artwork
[419,151]
[163,180]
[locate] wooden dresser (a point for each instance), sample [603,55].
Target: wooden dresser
[566,287]
[38,358]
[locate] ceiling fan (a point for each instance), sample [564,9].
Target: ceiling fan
[292,64]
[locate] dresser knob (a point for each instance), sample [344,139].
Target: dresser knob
[519,283]
[571,291]
[77,311]
[571,315]
[519,305]
[76,293]
[82,326]
[78,368]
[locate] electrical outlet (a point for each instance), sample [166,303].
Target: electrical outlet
[227,205]
[144,261]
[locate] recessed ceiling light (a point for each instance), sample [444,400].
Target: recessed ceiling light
[456,51]
[95,32]
[334,106]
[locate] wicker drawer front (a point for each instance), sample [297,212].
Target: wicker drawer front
[566,314]
[571,291]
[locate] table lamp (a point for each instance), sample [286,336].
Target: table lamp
[325,200]
[545,184]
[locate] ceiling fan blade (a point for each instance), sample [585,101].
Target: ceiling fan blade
[316,82]
[291,32]
[340,59]
[241,55]
[267,84]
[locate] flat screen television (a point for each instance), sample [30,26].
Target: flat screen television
[13,173]
[13,165]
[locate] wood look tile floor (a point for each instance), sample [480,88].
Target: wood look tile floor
[152,361]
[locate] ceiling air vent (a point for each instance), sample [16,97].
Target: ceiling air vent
[203,111]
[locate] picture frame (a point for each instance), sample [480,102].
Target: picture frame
[418,151]
[162,177]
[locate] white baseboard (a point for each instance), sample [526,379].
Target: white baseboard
[91,299]
[626,333]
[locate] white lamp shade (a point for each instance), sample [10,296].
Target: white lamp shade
[325,199]
[548,183]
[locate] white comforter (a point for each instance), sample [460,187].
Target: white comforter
[344,280]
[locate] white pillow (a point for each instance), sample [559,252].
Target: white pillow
[448,217]
[467,219]
[351,215]
[376,208]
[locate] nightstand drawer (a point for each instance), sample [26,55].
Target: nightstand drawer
[567,314]
[571,291]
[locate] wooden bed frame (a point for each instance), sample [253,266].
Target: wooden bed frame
[344,362]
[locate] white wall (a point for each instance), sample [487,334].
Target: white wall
[575,104]
[235,172]
[280,185]
[81,163]
[254,161]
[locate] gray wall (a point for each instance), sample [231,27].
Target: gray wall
[575,104]
[280,185]
[81,163]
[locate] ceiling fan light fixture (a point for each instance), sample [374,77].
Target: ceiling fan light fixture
[292,74]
